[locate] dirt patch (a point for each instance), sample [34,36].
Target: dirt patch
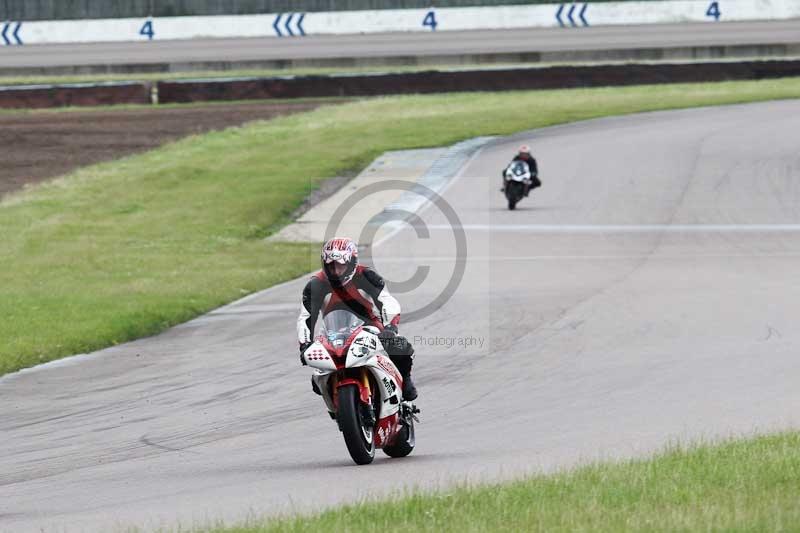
[75,95]
[39,146]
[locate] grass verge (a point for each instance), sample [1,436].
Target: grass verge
[745,485]
[126,249]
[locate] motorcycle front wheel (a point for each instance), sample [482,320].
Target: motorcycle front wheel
[359,438]
[404,444]
[514,194]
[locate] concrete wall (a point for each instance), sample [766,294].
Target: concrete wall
[387,63]
[98,9]
[298,24]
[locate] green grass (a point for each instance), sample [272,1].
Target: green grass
[126,249]
[745,485]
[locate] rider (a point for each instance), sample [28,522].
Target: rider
[524,154]
[343,282]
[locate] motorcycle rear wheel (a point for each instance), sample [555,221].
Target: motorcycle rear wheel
[360,440]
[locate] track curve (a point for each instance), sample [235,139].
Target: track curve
[648,292]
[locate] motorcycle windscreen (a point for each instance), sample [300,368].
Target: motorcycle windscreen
[338,325]
[518,170]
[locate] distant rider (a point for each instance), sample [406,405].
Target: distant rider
[343,283]
[524,154]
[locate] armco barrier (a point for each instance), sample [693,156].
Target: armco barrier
[432,61]
[470,80]
[42,96]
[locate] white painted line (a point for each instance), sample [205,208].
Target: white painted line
[415,261]
[264,308]
[627,228]
[63,362]
[438,180]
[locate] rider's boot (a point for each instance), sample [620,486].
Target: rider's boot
[409,390]
[401,353]
[404,365]
[315,388]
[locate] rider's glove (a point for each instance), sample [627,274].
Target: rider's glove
[388,332]
[303,347]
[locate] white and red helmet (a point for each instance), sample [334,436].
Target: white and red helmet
[525,149]
[339,260]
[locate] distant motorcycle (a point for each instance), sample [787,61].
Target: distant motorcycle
[517,177]
[361,387]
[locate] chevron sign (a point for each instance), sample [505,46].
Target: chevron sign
[10,33]
[570,13]
[289,20]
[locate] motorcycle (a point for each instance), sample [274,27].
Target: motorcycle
[517,177]
[361,387]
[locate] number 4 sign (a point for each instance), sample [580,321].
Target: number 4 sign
[147,30]
[430,20]
[713,11]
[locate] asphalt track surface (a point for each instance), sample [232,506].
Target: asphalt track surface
[647,293]
[405,44]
